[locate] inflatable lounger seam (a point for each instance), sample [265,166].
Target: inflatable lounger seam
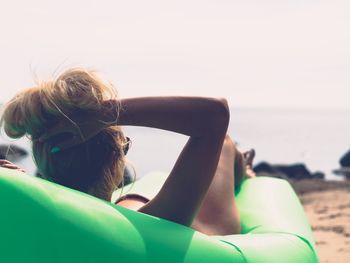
[237,248]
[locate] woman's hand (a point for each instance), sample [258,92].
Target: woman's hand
[7,164]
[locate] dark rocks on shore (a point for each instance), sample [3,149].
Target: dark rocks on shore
[293,171]
[345,160]
[344,170]
[12,152]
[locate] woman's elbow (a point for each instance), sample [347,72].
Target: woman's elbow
[225,113]
[225,108]
[221,118]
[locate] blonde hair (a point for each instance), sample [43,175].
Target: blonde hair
[95,166]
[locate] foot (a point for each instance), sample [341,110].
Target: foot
[248,157]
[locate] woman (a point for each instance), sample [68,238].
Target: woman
[74,124]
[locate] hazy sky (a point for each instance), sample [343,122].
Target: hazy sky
[277,53]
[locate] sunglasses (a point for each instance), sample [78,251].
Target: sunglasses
[127,145]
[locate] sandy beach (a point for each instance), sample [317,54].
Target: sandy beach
[327,205]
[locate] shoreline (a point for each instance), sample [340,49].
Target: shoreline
[327,207]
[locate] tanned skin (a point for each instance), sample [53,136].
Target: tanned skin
[203,120]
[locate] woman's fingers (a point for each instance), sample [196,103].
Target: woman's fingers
[7,164]
[10,166]
[4,161]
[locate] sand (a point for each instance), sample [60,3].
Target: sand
[327,205]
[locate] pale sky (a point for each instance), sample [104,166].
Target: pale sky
[276,53]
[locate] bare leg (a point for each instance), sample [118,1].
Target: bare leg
[218,214]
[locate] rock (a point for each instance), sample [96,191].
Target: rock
[318,175]
[295,171]
[266,169]
[343,171]
[345,160]
[292,171]
[12,152]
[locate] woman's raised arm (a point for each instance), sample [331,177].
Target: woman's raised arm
[192,116]
[205,121]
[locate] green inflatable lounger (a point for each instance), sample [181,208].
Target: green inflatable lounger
[45,222]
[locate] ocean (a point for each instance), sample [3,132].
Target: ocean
[317,138]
